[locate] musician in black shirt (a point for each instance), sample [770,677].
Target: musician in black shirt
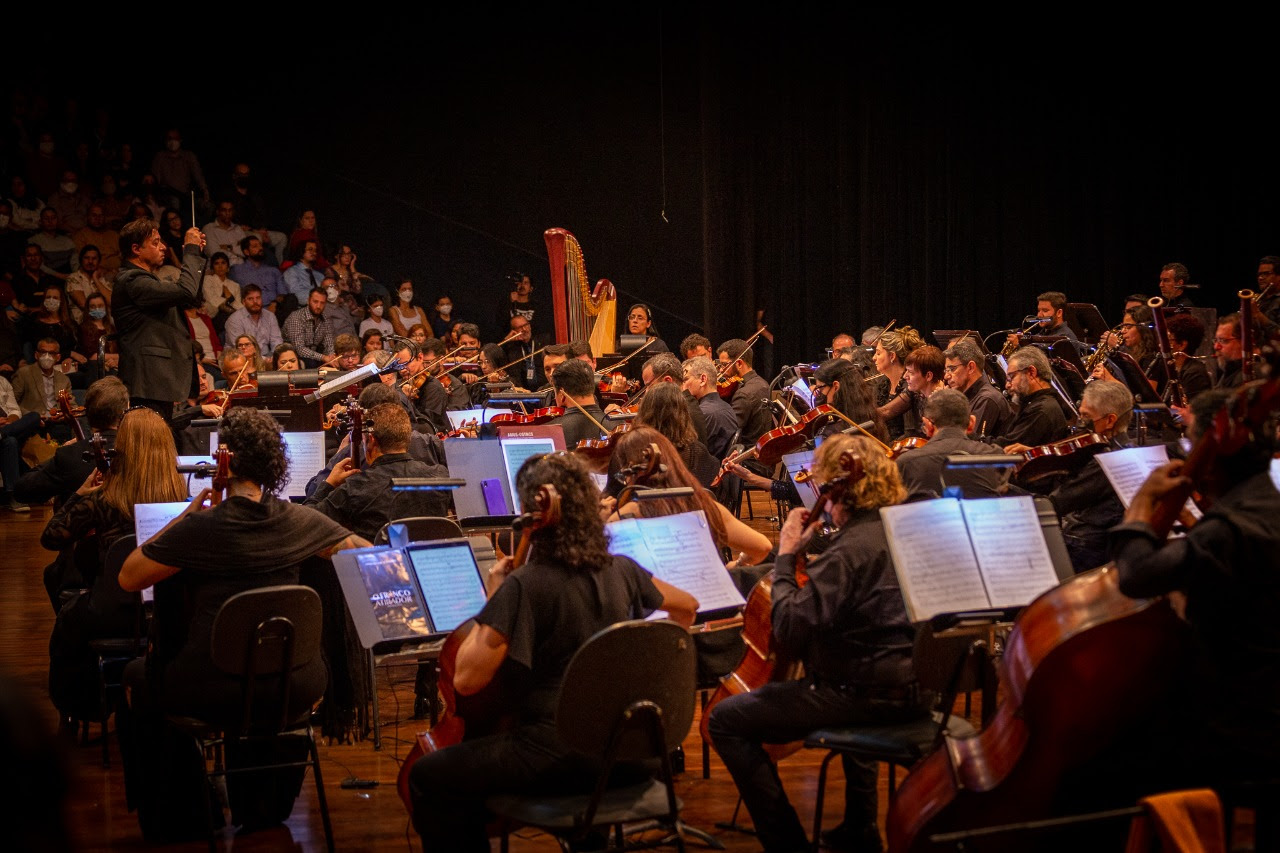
[849,627]
[1039,419]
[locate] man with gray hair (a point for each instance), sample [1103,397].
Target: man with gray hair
[947,422]
[665,367]
[722,421]
[1040,418]
[964,363]
[1085,502]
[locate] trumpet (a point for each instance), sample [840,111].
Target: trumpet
[1106,345]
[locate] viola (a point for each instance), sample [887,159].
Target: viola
[1059,457]
[728,387]
[635,475]
[763,661]
[1068,694]
[538,416]
[486,711]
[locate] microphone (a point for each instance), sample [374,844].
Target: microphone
[1038,321]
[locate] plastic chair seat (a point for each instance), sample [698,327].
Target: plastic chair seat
[641,801]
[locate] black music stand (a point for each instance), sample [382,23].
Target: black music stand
[947,337]
[1086,321]
[1132,375]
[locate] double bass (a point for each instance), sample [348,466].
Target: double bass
[1084,665]
[483,712]
[764,661]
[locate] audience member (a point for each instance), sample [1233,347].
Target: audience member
[404,315]
[70,201]
[309,331]
[375,320]
[59,249]
[88,279]
[25,206]
[16,426]
[102,355]
[224,234]
[178,173]
[250,319]
[304,232]
[255,271]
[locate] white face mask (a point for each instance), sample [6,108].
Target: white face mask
[70,187]
[406,295]
[52,304]
[333,294]
[445,310]
[376,310]
[46,360]
[173,144]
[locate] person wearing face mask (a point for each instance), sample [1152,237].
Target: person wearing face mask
[441,317]
[88,279]
[404,315]
[36,386]
[334,311]
[255,270]
[24,206]
[157,359]
[52,319]
[177,172]
[376,320]
[97,322]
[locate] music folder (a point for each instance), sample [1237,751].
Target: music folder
[422,591]
[968,555]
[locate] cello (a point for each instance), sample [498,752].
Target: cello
[763,661]
[483,712]
[1083,665]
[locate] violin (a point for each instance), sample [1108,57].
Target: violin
[66,410]
[466,429]
[726,385]
[906,443]
[538,416]
[763,661]
[1068,695]
[1059,457]
[776,443]
[96,451]
[355,419]
[483,712]
[601,448]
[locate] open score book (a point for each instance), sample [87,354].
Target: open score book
[955,556]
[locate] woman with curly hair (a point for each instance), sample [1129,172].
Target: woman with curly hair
[537,617]
[261,540]
[850,628]
[894,399]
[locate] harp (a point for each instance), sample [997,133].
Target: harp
[581,314]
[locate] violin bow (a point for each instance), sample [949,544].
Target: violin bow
[578,406]
[882,331]
[520,359]
[751,341]
[629,356]
[888,451]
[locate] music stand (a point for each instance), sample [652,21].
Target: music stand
[1065,350]
[1086,321]
[947,337]
[1131,373]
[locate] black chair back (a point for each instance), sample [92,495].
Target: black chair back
[423,528]
[623,665]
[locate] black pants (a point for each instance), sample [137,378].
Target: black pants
[787,711]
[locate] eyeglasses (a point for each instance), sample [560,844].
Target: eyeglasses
[1221,341]
[948,369]
[1013,373]
[637,317]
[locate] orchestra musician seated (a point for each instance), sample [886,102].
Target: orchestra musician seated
[750,400]
[1228,347]
[948,425]
[696,345]
[722,421]
[665,409]
[922,372]
[965,372]
[1039,418]
[538,615]
[1051,309]
[361,499]
[1223,711]
[575,387]
[892,349]
[142,471]
[64,472]
[1186,333]
[261,541]
[665,367]
[1085,502]
[849,627]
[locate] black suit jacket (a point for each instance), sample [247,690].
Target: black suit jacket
[156,361]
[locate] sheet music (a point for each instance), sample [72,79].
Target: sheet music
[1275,472]
[194,485]
[305,451]
[678,549]
[148,519]
[450,583]
[1009,543]
[801,461]
[514,453]
[1129,467]
[934,559]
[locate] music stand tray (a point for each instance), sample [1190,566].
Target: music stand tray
[1088,324]
[947,337]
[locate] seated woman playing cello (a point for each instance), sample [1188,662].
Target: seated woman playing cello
[536,618]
